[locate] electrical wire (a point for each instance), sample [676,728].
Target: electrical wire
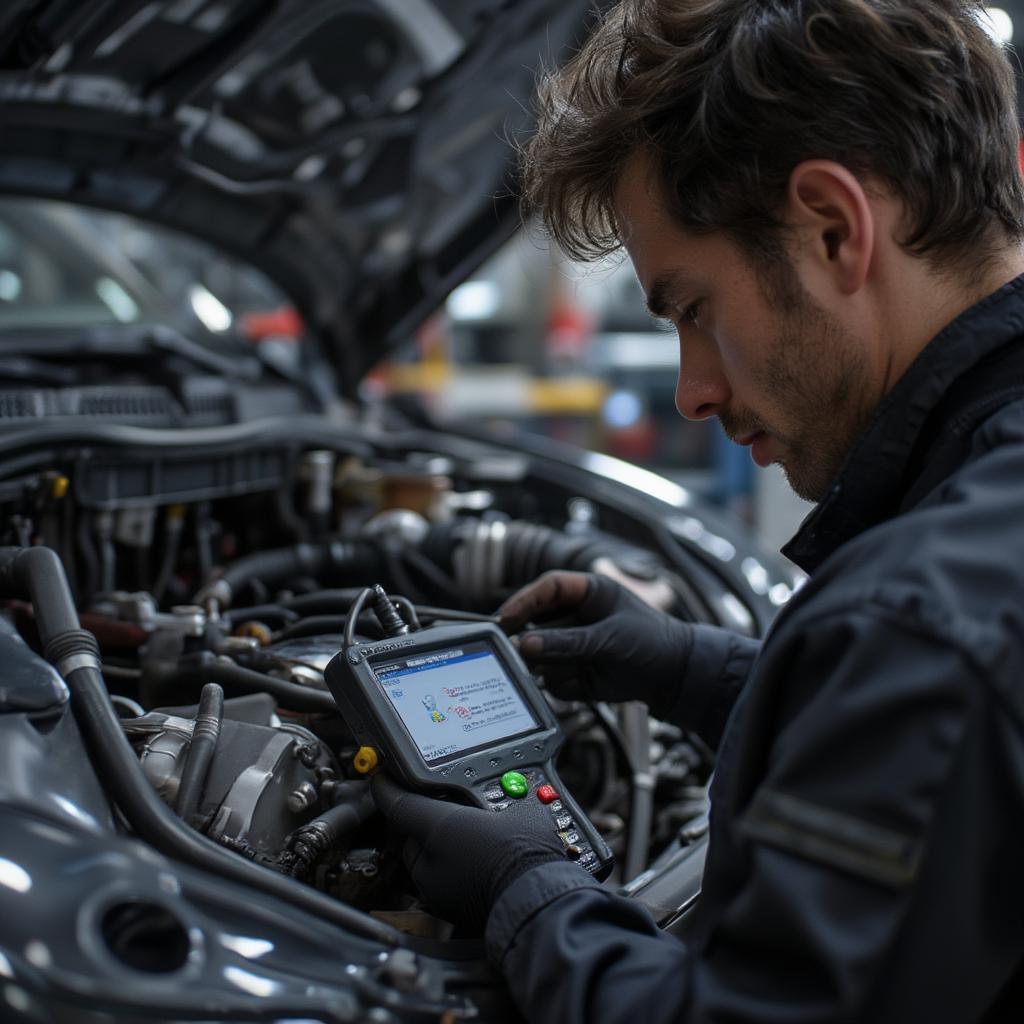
[122,674]
[455,615]
[134,707]
[354,612]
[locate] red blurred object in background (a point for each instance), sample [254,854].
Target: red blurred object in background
[568,331]
[284,322]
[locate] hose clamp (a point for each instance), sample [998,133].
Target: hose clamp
[73,662]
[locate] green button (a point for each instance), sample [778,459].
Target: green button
[514,784]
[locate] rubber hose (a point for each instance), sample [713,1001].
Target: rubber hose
[526,549]
[39,574]
[272,614]
[344,817]
[337,602]
[321,625]
[323,602]
[155,823]
[311,841]
[275,567]
[369,624]
[201,748]
[637,729]
[235,677]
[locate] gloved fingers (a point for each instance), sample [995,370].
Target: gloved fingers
[606,596]
[557,646]
[555,591]
[565,683]
[411,813]
[609,600]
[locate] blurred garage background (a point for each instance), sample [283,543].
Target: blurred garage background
[530,343]
[536,343]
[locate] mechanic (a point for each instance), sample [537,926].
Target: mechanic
[824,198]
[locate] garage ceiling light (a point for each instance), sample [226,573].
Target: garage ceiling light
[998,24]
[213,314]
[474,300]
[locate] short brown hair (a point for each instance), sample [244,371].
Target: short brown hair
[730,95]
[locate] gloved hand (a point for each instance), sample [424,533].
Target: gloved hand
[615,648]
[463,858]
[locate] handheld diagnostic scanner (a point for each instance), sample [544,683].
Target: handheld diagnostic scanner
[452,711]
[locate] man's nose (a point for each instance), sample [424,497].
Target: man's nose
[702,389]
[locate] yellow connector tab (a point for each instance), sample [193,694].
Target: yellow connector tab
[59,487]
[365,760]
[253,629]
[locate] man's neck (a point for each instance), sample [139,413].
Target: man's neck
[929,301]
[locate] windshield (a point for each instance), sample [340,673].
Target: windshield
[66,267]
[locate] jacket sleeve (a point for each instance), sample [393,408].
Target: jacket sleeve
[715,672]
[809,875]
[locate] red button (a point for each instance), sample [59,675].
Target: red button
[546,794]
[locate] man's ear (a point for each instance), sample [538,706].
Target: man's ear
[830,213]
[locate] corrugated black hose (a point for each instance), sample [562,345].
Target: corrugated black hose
[37,573]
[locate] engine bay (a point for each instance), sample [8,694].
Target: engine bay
[218,583]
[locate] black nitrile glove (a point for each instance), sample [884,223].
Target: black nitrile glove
[615,648]
[462,858]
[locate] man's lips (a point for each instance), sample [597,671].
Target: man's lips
[759,443]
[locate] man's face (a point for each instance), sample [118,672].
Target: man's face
[782,374]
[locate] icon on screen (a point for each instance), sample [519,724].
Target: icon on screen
[430,703]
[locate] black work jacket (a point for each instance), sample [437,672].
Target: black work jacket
[866,854]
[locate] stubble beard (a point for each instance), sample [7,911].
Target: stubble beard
[816,376]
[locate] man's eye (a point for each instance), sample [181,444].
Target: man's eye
[691,313]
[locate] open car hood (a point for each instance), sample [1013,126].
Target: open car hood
[354,150]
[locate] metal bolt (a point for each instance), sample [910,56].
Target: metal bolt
[302,797]
[191,619]
[304,675]
[238,645]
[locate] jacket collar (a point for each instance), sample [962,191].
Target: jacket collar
[872,481]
